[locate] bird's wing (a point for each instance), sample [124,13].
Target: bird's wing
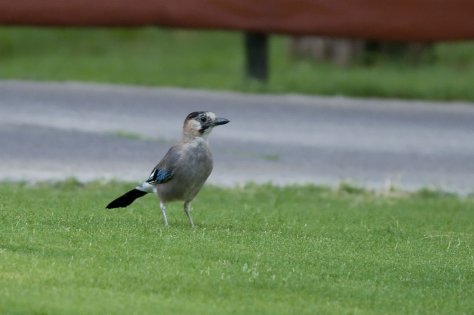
[164,171]
[159,176]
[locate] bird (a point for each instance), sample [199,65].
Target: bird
[182,172]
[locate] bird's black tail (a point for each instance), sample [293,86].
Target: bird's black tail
[126,199]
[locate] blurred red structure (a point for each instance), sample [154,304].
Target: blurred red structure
[404,20]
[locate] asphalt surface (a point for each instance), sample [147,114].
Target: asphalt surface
[57,130]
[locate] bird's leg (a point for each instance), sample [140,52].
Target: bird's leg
[163,211]
[187,210]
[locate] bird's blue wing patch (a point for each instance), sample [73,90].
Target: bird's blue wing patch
[159,176]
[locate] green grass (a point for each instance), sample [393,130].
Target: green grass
[125,134]
[256,250]
[214,60]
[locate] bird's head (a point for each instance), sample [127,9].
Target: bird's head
[200,124]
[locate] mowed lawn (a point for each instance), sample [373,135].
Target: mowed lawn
[215,60]
[256,250]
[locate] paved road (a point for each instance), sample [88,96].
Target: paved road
[52,131]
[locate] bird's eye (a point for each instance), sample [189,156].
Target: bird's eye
[203,119]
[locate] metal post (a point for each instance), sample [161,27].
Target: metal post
[256,56]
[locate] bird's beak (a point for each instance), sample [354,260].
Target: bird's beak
[220,121]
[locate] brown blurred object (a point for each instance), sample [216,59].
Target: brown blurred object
[403,20]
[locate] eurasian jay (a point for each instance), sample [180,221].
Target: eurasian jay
[180,175]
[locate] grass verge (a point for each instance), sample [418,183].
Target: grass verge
[214,60]
[256,250]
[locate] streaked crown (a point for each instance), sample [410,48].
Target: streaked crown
[198,124]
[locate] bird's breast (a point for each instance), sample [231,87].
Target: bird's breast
[194,167]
